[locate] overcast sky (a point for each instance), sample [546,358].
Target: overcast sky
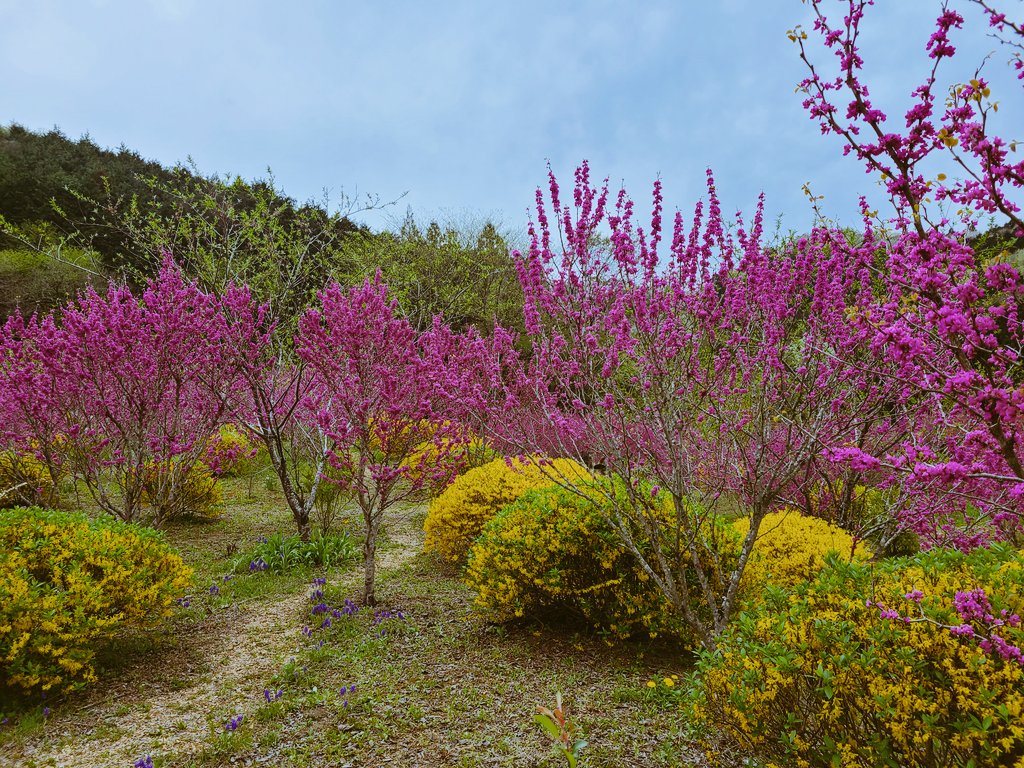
[460,104]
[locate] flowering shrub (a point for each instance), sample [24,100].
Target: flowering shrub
[230,452]
[915,663]
[458,515]
[116,382]
[24,480]
[380,389]
[554,549]
[67,583]
[792,548]
[462,455]
[198,493]
[943,309]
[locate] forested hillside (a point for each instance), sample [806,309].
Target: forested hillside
[75,213]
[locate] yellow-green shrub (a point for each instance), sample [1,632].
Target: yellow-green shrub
[458,457]
[791,548]
[68,583]
[24,481]
[175,493]
[231,452]
[554,550]
[820,677]
[457,515]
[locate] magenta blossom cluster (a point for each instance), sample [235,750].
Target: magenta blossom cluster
[977,621]
[120,391]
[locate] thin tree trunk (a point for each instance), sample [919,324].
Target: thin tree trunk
[370,563]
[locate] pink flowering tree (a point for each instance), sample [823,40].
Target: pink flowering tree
[30,416]
[376,394]
[706,373]
[947,316]
[122,392]
[272,401]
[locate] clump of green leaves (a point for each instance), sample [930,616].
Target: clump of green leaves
[555,723]
[280,553]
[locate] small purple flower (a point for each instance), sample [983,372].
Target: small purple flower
[228,577]
[307,631]
[321,608]
[915,595]
[232,725]
[143,762]
[319,581]
[272,696]
[326,623]
[46,711]
[214,589]
[261,539]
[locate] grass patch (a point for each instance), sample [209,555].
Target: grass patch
[422,679]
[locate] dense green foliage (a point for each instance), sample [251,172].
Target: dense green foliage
[464,273]
[36,282]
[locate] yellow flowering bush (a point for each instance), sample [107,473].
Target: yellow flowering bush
[553,550]
[456,517]
[458,456]
[231,452]
[791,548]
[24,481]
[197,494]
[870,665]
[68,583]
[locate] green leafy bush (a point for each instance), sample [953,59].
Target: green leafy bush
[552,549]
[66,584]
[457,515]
[871,665]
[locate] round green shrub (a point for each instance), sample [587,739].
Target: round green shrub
[792,548]
[231,452]
[176,494]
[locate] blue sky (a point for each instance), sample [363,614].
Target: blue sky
[461,104]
